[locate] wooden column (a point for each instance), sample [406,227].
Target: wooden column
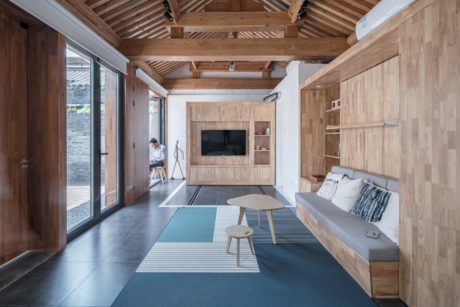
[47,138]
[136,137]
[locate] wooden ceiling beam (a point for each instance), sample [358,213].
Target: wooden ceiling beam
[232,21]
[86,15]
[224,66]
[294,9]
[264,49]
[220,83]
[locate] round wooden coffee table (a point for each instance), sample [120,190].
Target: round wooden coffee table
[258,202]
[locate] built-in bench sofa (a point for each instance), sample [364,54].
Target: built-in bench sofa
[373,263]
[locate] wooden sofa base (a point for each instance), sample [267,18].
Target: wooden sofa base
[378,279]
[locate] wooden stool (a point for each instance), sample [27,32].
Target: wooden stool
[160,170]
[239,232]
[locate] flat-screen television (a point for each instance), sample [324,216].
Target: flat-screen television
[223,142]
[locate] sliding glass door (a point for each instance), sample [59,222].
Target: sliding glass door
[93,138]
[79,157]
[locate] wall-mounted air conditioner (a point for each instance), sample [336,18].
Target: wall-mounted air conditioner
[378,15]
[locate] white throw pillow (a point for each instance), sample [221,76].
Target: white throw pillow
[347,193]
[389,224]
[329,185]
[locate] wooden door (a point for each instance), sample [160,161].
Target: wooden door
[13,139]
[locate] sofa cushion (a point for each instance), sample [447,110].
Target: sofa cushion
[349,228]
[378,180]
[393,185]
[349,172]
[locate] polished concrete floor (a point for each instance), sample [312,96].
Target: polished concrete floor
[95,267]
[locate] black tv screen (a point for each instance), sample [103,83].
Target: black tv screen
[223,142]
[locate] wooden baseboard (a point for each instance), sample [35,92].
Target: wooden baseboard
[378,279]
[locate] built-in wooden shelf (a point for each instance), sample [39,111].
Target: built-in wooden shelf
[261,149]
[333,133]
[262,135]
[333,110]
[332,157]
[333,128]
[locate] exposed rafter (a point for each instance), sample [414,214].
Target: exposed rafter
[175,10]
[276,49]
[294,9]
[91,19]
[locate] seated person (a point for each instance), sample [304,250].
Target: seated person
[158,155]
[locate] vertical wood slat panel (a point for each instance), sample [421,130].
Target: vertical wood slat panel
[371,97]
[430,167]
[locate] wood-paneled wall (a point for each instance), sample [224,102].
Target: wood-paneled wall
[367,99]
[430,160]
[47,137]
[136,133]
[313,105]
[231,170]
[14,226]
[32,127]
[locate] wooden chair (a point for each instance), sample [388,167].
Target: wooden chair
[159,170]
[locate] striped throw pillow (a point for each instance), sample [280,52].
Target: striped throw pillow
[329,185]
[372,203]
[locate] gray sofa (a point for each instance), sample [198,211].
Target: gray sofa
[349,228]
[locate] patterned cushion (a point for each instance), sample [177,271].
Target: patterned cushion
[372,203]
[329,186]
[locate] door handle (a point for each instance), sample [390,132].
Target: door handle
[24,163]
[104,153]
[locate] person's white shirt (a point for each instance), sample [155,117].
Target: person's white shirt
[158,154]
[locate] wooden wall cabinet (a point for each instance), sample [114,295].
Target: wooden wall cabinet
[256,167]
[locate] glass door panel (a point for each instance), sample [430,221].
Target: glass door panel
[108,107]
[78,75]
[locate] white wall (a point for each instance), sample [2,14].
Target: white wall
[177,116]
[287,127]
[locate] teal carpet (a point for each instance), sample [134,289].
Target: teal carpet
[296,272]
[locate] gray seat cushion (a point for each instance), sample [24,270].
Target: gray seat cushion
[393,185]
[379,180]
[343,170]
[349,228]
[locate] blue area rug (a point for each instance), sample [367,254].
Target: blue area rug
[296,272]
[190,225]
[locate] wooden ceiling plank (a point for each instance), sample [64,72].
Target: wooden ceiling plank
[130,21]
[95,3]
[224,66]
[346,7]
[294,9]
[275,49]
[328,24]
[363,5]
[134,14]
[320,26]
[86,15]
[336,11]
[332,18]
[108,6]
[125,8]
[232,21]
